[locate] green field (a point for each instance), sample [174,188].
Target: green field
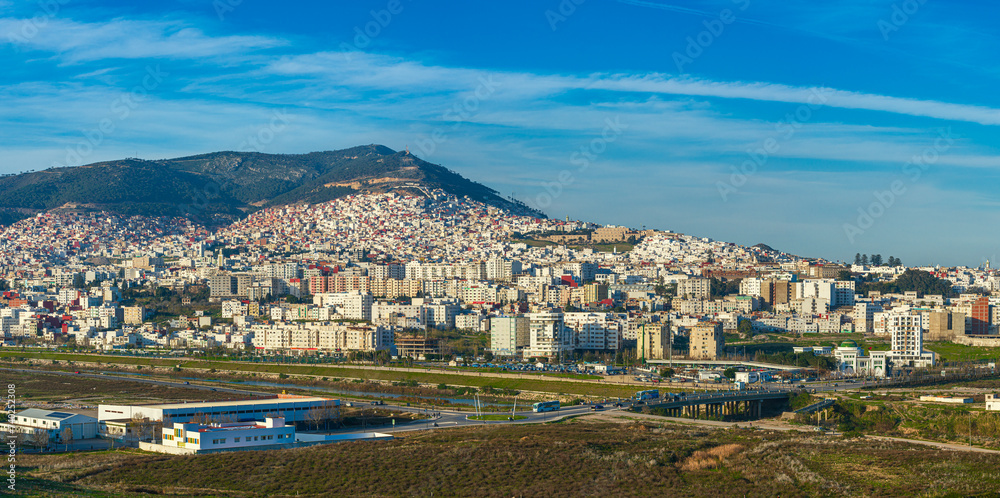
[949,351]
[430,377]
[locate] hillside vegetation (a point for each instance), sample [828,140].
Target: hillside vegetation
[574,458]
[911,280]
[223,186]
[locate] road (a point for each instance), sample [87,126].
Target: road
[446,419]
[450,418]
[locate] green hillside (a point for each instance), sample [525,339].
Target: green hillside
[223,186]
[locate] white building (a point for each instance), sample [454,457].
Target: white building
[594,331]
[352,305]
[548,335]
[58,424]
[509,335]
[291,408]
[202,438]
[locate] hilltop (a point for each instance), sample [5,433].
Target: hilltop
[221,187]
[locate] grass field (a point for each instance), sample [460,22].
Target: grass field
[430,377]
[51,388]
[580,457]
[948,351]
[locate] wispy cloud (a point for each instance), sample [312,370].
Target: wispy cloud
[75,42]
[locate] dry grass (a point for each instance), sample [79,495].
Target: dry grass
[576,458]
[710,459]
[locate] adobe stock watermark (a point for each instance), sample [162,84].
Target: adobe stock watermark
[885,199]
[563,11]
[29,28]
[582,159]
[254,142]
[265,134]
[901,13]
[10,407]
[119,110]
[784,130]
[363,36]
[223,7]
[714,28]
[458,114]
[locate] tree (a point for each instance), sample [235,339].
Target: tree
[730,373]
[857,258]
[864,259]
[40,438]
[331,413]
[843,275]
[201,418]
[745,327]
[667,372]
[315,416]
[876,260]
[67,437]
[141,427]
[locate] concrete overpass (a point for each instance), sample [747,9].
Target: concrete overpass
[747,403]
[725,363]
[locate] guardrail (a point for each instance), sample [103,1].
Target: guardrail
[816,406]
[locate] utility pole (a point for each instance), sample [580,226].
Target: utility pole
[970,428]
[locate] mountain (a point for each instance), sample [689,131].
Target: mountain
[220,187]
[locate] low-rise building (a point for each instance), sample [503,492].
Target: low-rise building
[202,438]
[60,425]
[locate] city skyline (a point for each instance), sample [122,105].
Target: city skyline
[630,113]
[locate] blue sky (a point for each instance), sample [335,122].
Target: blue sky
[821,129]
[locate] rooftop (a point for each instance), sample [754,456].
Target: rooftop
[245,402]
[38,413]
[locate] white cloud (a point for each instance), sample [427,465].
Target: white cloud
[76,42]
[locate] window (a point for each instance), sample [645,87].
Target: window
[236,439]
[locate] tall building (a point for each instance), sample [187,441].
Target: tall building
[595,292]
[593,331]
[980,317]
[695,288]
[133,315]
[906,332]
[706,341]
[509,335]
[653,341]
[222,285]
[945,326]
[548,335]
[777,291]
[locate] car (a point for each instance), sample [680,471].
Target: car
[598,407]
[186,383]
